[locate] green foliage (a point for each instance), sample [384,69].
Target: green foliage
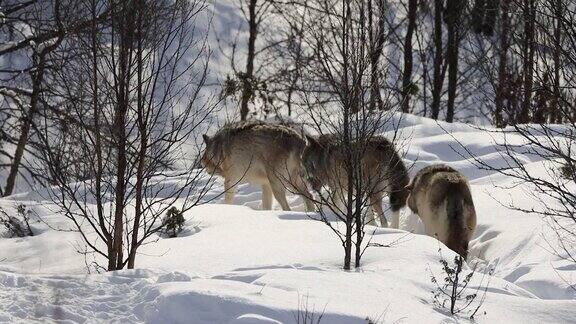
[230,87]
[242,84]
[568,171]
[173,221]
[412,89]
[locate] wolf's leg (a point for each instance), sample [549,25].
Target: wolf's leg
[266,197]
[397,201]
[229,191]
[395,219]
[279,191]
[376,204]
[370,217]
[305,194]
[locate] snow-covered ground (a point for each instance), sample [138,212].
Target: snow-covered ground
[237,264]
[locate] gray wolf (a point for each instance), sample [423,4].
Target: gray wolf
[260,153]
[383,171]
[441,197]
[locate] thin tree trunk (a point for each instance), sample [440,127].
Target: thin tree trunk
[350,187]
[348,248]
[556,114]
[528,53]
[477,15]
[455,284]
[121,109]
[377,45]
[97,135]
[491,13]
[142,129]
[27,119]
[453,17]
[502,84]
[438,76]
[360,191]
[359,238]
[348,97]
[247,90]
[407,75]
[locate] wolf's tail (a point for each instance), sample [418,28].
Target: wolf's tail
[457,235]
[394,172]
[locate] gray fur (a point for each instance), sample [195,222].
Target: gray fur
[384,171]
[260,153]
[441,196]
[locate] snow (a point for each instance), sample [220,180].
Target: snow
[237,264]
[7,45]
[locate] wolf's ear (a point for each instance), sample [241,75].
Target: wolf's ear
[206,138]
[311,140]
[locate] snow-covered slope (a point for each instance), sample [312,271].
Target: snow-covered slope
[236,264]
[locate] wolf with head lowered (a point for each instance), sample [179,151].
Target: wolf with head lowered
[382,171]
[260,153]
[441,196]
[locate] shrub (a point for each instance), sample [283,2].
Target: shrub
[453,292]
[16,226]
[173,222]
[307,314]
[568,171]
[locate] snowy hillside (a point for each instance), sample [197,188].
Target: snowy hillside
[236,264]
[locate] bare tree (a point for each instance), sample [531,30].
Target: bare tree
[338,91]
[438,76]
[553,192]
[558,9]
[502,83]
[24,93]
[407,84]
[249,72]
[454,10]
[248,84]
[32,31]
[137,105]
[528,47]
[552,69]
[377,37]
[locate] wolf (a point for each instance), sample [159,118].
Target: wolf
[260,153]
[383,171]
[441,197]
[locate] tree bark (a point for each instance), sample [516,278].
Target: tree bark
[477,15]
[121,109]
[97,135]
[359,220]
[348,248]
[142,129]
[452,19]
[502,84]
[247,86]
[377,45]
[528,62]
[438,76]
[27,119]
[555,108]
[407,75]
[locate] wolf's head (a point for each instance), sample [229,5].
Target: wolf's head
[211,158]
[312,163]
